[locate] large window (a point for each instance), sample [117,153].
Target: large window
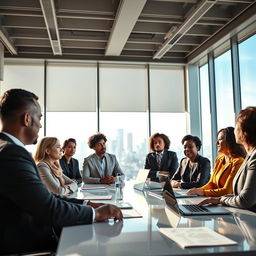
[205,112]
[247,60]
[167,99]
[71,104]
[123,118]
[224,91]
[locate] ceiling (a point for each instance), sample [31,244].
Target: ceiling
[125,30]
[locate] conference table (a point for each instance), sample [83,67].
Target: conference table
[141,236]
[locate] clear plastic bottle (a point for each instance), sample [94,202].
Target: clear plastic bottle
[118,188]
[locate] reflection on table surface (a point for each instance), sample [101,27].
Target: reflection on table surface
[140,236]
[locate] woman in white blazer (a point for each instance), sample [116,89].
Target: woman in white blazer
[244,183]
[47,157]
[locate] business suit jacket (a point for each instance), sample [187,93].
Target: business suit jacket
[199,175]
[75,172]
[92,169]
[28,209]
[52,182]
[169,163]
[244,186]
[222,177]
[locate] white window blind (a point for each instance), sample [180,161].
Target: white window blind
[123,88]
[27,76]
[71,87]
[167,93]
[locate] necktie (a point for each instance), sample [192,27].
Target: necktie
[158,159]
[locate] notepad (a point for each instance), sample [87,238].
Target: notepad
[196,237]
[130,213]
[97,197]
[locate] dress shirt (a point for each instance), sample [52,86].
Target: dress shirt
[14,139]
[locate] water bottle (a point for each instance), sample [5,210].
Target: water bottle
[118,188]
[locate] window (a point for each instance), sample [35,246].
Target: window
[224,91]
[127,137]
[77,125]
[168,105]
[123,116]
[247,60]
[205,112]
[71,104]
[27,76]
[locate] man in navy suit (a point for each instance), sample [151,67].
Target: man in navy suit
[161,161]
[30,215]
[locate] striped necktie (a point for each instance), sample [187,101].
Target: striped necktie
[158,159]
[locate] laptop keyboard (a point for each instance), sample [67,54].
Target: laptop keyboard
[195,208]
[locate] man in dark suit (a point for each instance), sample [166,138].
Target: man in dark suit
[30,215]
[161,161]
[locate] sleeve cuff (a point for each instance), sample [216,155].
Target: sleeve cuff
[93,211]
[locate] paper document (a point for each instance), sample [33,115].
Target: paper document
[97,197]
[130,213]
[92,187]
[196,237]
[123,205]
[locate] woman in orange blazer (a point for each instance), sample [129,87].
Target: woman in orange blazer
[231,156]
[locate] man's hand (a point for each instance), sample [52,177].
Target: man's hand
[175,183]
[195,191]
[108,180]
[211,200]
[108,211]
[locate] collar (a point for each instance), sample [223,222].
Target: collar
[161,153]
[14,139]
[100,157]
[251,151]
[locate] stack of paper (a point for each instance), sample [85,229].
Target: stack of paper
[196,237]
[97,197]
[92,187]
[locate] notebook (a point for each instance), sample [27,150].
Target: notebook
[191,209]
[167,186]
[140,181]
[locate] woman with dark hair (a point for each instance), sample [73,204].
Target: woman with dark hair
[194,170]
[244,194]
[231,156]
[160,161]
[69,164]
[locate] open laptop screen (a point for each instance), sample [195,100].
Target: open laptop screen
[171,201]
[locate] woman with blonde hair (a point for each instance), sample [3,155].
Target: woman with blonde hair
[47,157]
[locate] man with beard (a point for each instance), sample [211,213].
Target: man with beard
[31,216]
[160,161]
[100,167]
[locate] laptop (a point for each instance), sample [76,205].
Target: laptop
[140,181]
[191,209]
[168,187]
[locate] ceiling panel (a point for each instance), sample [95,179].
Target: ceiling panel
[85,28]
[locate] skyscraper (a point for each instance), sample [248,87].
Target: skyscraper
[129,142]
[120,143]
